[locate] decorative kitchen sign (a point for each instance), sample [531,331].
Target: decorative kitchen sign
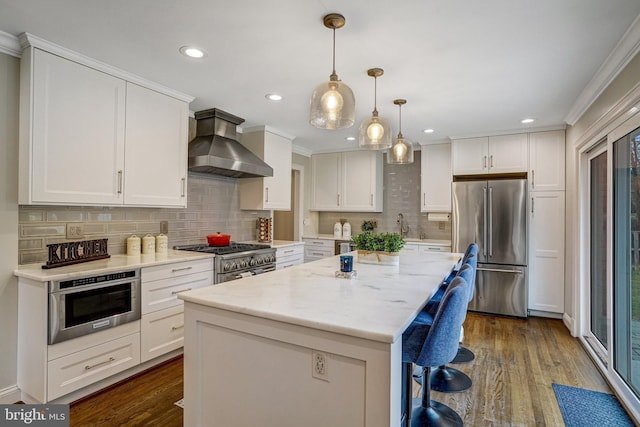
[68,253]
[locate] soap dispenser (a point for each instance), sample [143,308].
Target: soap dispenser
[346,230]
[337,229]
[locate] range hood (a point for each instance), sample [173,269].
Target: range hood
[215,149]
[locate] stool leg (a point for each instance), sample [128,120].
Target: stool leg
[429,413]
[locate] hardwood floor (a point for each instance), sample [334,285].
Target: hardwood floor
[516,363]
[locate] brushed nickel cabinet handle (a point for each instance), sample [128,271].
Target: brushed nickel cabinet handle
[88,367]
[179,292]
[119,182]
[174,270]
[183,190]
[532,205]
[338,200]
[484,162]
[175,328]
[491,161]
[533,178]
[266,197]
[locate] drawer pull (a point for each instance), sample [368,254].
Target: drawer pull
[178,292]
[289,251]
[434,249]
[175,270]
[175,328]
[88,367]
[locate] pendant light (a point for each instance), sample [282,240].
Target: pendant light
[401,152]
[375,132]
[333,105]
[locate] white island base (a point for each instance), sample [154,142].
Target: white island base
[298,347]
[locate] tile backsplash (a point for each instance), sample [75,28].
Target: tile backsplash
[401,195]
[213,205]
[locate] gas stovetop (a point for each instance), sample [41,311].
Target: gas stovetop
[232,248]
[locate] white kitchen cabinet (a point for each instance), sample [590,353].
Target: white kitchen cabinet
[288,256]
[547,161]
[411,248]
[315,249]
[269,193]
[436,177]
[546,251]
[89,136]
[163,331]
[156,136]
[494,154]
[347,182]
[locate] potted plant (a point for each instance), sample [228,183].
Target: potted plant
[380,248]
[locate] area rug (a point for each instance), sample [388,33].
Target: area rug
[180,403]
[581,408]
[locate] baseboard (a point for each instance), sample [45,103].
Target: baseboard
[569,322]
[548,314]
[9,395]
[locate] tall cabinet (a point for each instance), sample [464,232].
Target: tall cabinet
[435,179]
[546,221]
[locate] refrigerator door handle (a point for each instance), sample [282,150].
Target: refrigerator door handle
[484,225]
[497,270]
[490,221]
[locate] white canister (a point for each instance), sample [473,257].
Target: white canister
[148,244]
[337,229]
[162,243]
[346,230]
[133,245]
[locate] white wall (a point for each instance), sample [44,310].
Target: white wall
[9,82]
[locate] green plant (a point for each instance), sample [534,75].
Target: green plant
[368,225]
[382,242]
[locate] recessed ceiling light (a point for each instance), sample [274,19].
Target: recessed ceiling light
[525,121]
[273,97]
[192,52]
[428,131]
[350,138]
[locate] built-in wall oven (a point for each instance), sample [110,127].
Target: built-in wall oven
[85,305]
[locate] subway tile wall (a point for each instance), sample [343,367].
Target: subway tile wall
[401,195]
[213,205]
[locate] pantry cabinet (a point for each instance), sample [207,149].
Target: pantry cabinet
[273,192]
[494,154]
[347,182]
[90,136]
[435,178]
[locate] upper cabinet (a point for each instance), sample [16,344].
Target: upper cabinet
[435,178]
[91,137]
[274,192]
[348,182]
[494,154]
[546,161]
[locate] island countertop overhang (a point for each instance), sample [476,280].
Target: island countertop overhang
[377,305]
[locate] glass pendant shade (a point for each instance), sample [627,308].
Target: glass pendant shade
[333,106]
[375,131]
[401,152]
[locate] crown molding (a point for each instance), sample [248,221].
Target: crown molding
[511,132]
[10,44]
[620,56]
[301,150]
[266,128]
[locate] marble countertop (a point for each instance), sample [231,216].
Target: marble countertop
[115,263]
[378,305]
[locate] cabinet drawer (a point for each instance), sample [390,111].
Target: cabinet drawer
[410,249]
[318,252]
[319,243]
[161,332]
[177,269]
[289,253]
[163,293]
[77,370]
[427,248]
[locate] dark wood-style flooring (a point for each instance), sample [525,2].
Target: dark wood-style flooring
[516,363]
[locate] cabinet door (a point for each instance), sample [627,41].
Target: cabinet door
[77,134]
[436,178]
[360,181]
[546,251]
[508,153]
[325,170]
[470,156]
[546,161]
[277,189]
[155,149]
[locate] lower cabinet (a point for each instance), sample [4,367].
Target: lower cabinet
[288,256]
[315,249]
[546,251]
[161,331]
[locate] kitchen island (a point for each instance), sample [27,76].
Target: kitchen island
[301,347]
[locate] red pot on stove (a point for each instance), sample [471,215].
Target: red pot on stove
[218,239]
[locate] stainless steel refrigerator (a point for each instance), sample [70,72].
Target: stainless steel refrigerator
[493,213]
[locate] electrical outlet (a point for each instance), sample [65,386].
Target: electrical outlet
[164,227]
[75,231]
[320,365]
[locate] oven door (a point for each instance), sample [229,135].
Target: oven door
[87,309]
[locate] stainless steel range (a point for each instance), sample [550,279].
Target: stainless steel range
[237,260]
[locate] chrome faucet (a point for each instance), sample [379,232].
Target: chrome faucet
[404,229]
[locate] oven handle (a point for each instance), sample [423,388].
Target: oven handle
[256,271]
[134,280]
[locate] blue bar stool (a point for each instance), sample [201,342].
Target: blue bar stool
[434,345]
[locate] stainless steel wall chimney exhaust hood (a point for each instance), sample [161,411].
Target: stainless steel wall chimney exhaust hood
[215,149]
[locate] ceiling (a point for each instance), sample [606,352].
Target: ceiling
[466,68]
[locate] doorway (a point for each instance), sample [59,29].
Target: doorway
[287,224]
